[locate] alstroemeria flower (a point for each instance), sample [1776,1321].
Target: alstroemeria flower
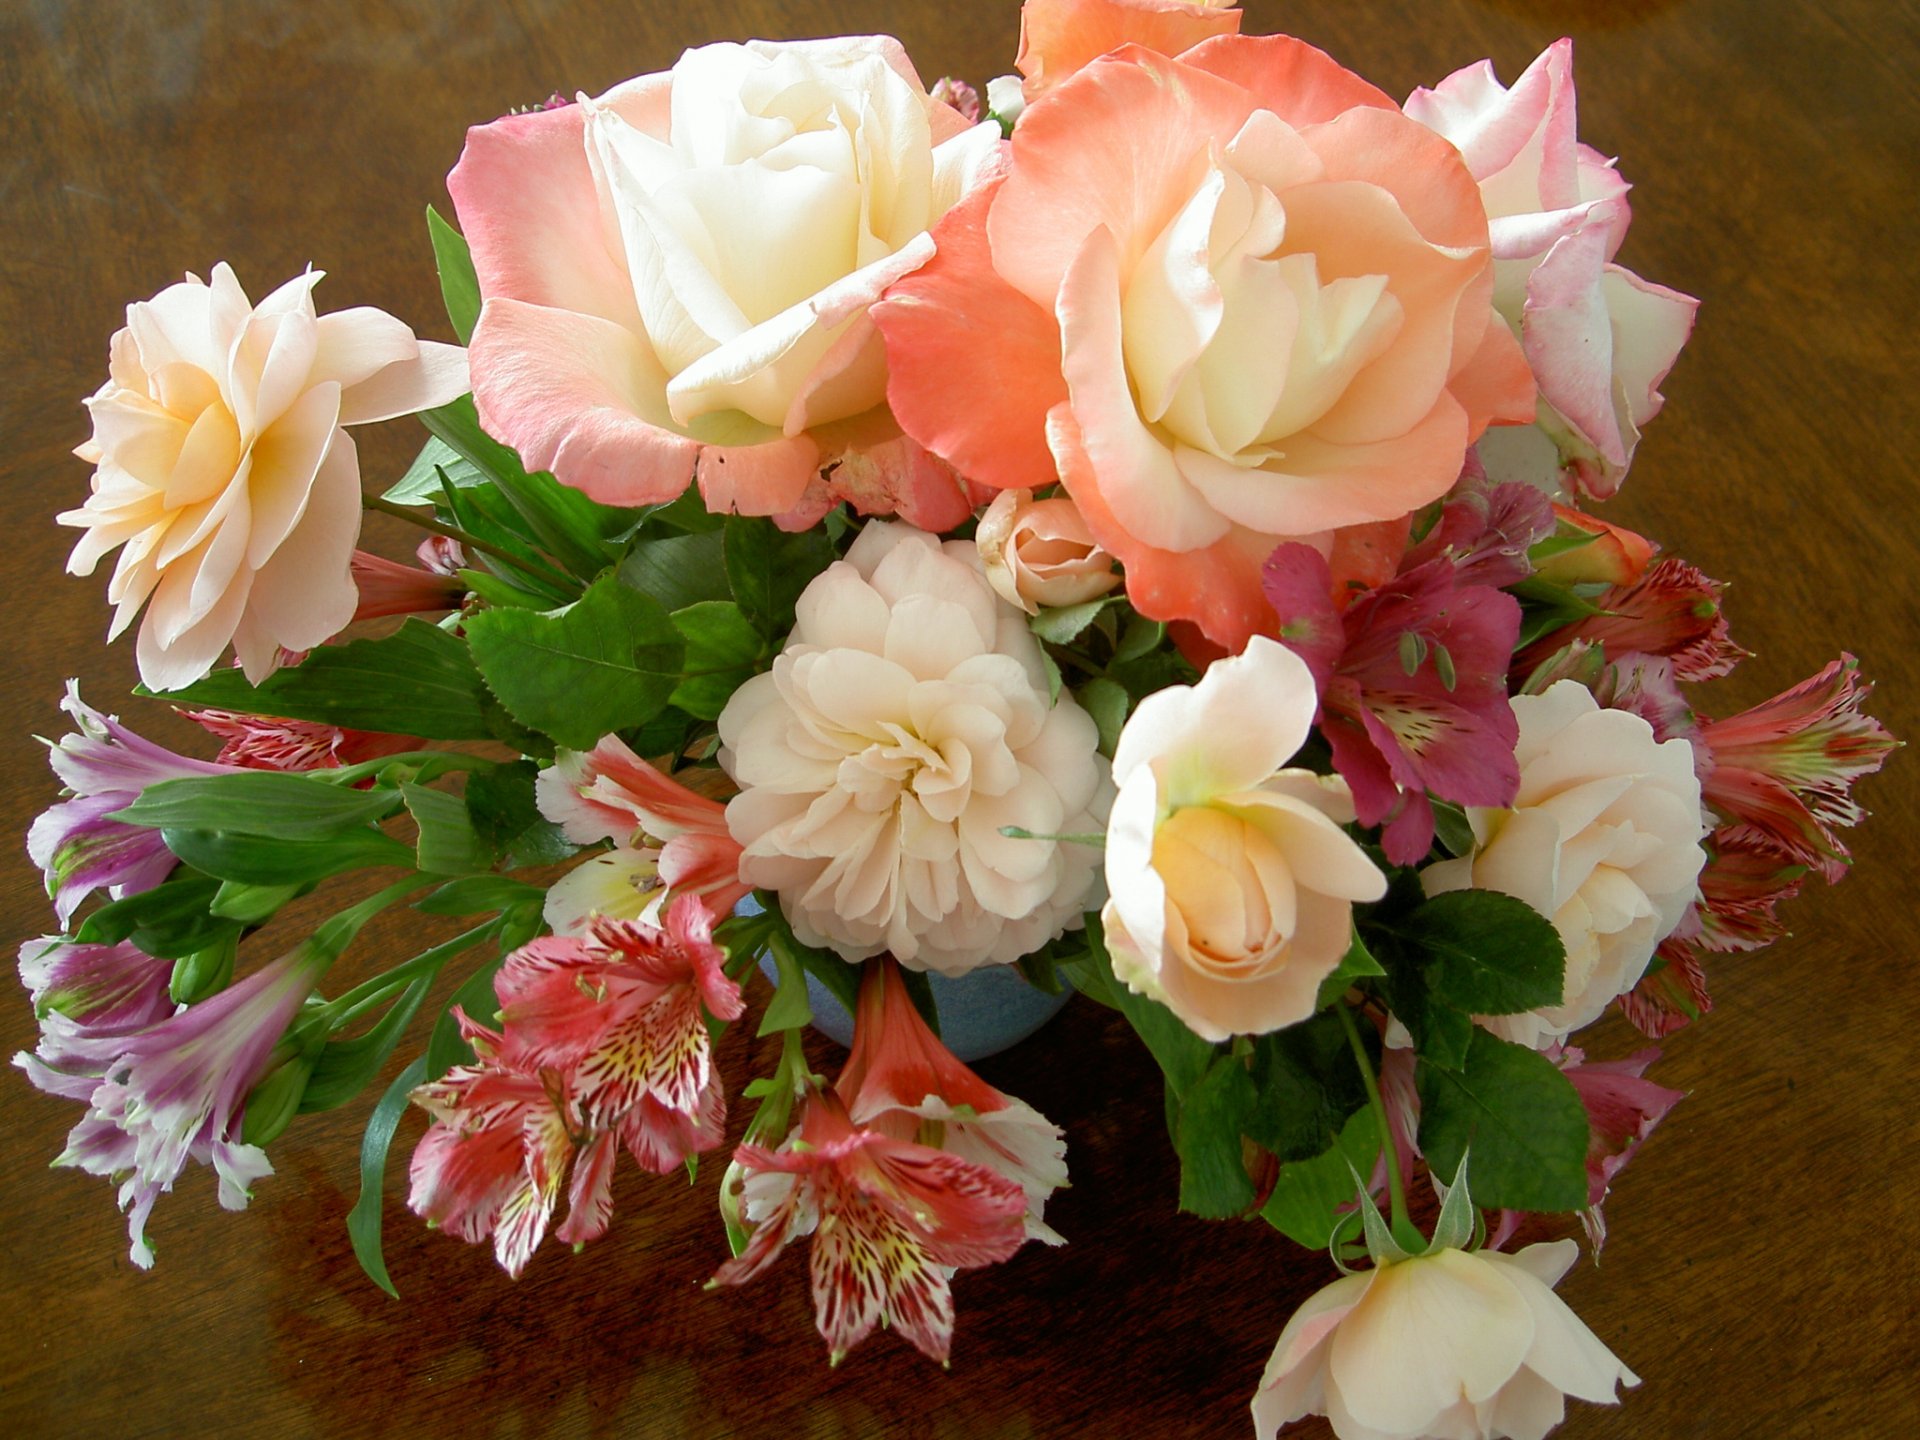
[1672,610]
[99,985]
[1602,837]
[667,839]
[889,1219]
[903,728]
[621,1012]
[1782,773]
[1235,298]
[1470,1345]
[1598,338]
[677,274]
[495,1158]
[1060,37]
[1232,883]
[900,1080]
[173,1090]
[76,843]
[387,587]
[225,470]
[271,742]
[1622,1108]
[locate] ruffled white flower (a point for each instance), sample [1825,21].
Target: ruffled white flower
[905,725]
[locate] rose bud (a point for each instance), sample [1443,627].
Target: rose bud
[1041,553]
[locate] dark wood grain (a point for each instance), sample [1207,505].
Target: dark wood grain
[1761,1276]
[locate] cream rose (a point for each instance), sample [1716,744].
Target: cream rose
[225,471]
[1232,882]
[677,274]
[1041,552]
[1470,1345]
[903,726]
[1603,838]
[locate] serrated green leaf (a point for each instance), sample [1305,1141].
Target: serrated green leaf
[258,802]
[1308,1194]
[680,569]
[1308,1085]
[606,662]
[767,568]
[1520,1116]
[437,463]
[1106,704]
[1063,625]
[1488,953]
[1053,677]
[1214,1114]
[1141,637]
[419,680]
[1357,964]
[459,286]
[507,817]
[364,1221]
[259,860]
[723,651]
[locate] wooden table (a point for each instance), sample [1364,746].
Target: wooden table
[1761,1275]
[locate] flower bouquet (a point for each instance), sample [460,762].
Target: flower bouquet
[1131,534]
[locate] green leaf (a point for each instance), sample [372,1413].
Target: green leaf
[1489,954]
[1182,1055]
[169,921]
[260,860]
[252,904]
[1141,637]
[723,651]
[1062,626]
[767,568]
[789,1009]
[1308,1086]
[436,464]
[1213,1116]
[1106,702]
[507,818]
[445,1047]
[1308,1194]
[606,662]
[447,844]
[1522,1119]
[258,802]
[1452,828]
[417,681]
[459,286]
[345,1066]
[480,894]
[679,570]
[1357,964]
[364,1220]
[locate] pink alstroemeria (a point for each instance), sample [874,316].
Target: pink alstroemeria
[666,838]
[1782,773]
[889,1219]
[1671,610]
[269,742]
[105,767]
[619,1012]
[1412,680]
[174,1090]
[1622,1109]
[900,1080]
[100,985]
[389,588]
[496,1155]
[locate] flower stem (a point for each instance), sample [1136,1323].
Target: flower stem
[1404,1229]
[369,994]
[432,763]
[466,538]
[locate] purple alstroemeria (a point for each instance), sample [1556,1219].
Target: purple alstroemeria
[105,767]
[161,1094]
[95,984]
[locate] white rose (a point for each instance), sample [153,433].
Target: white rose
[904,725]
[1603,838]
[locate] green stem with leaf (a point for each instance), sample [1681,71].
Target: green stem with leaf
[1404,1230]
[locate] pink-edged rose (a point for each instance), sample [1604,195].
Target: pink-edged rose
[225,471]
[1598,338]
[1233,298]
[1232,883]
[676,275]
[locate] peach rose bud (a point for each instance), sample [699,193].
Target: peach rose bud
[1615,556]
[1040,553]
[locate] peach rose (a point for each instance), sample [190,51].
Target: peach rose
[1041,553]
[1231,880]
[1235,298]
[676,275]
[905,724]
[1603,838]
[225,472]
[1473,1345]
[1060,37]
[1598,337]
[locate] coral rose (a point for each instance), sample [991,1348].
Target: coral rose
[224,470]
[676,275]
[1603,838]
[1232,298]
[1041,553]
[904,725]
[1059,37]
[1232,882]
[1598,337]
[1470,1345]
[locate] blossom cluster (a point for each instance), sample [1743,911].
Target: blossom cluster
[1136,534]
